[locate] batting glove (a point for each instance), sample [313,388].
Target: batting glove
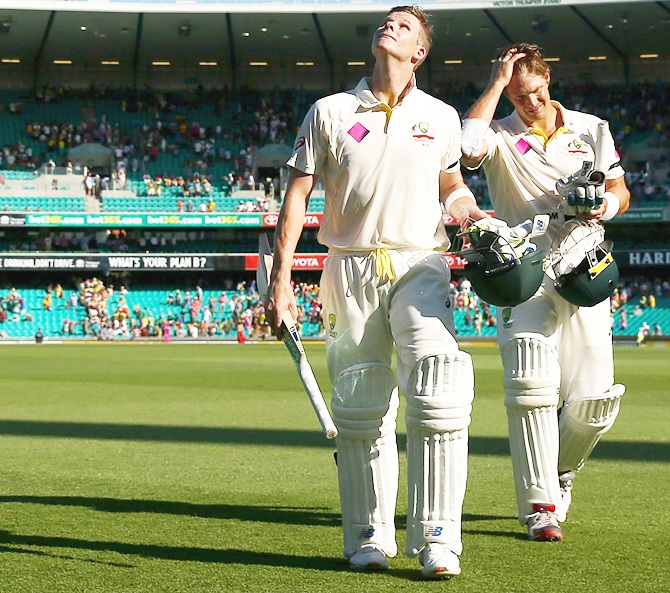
[584,189]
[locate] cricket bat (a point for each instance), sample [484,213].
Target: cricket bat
[597,176]
[291,339]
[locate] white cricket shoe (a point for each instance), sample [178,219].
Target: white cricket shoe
[368,557]
[439,562]
[543,524]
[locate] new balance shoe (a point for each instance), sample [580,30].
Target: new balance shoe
[439,562]
[368,557]
[543,524]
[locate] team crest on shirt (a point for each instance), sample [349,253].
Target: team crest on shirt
[422,132]
[507,317]
[577,147]
[331,325]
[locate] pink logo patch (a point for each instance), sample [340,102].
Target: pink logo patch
[522,146]
[358,131]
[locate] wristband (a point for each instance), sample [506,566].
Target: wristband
[613,205]
[461,192]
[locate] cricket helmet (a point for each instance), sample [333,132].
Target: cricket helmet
[500,274]
[581,263]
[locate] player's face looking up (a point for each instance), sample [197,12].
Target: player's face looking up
[529,93]
[400,36]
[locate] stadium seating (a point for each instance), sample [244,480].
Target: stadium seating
[179,159]
[316,204]
[58,203]
[467,329]
[167,202]
[154,302]
[651,316]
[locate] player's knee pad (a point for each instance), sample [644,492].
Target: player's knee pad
[532,375]
[440,393]
[439,403]
[364,402]
[582,423]
[531,382]
[364,406]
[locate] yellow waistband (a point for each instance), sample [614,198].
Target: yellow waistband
[383,264]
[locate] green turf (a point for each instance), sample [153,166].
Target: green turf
[151,468]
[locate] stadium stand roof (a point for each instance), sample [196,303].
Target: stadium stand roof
[314,44]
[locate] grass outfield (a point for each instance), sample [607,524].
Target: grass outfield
[151,468]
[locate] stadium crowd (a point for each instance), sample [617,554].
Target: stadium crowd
[99,310]
[251,120]
[239,126]
[639,115]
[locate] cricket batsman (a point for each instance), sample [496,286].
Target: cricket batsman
[388,154]
[556,347]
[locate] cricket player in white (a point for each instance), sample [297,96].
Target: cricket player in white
[388,153]
[551,349]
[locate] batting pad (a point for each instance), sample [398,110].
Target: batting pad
[582,423]
[532,379]
[531,370]
[365,408]
[439,403]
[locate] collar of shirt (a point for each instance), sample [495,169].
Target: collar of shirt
[521,127]
[367,99]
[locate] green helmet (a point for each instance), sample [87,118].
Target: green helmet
[498,275]
[583,267]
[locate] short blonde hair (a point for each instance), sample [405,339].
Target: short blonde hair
[426,32]
[532,63]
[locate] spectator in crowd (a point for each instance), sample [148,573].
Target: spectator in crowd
[642,333]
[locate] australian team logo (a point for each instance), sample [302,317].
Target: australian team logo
[507,317]
[423,133]
[577,147]
[331,325]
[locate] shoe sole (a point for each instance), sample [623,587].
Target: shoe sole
[372,567]
[368,560]
[441,574]
[548,536]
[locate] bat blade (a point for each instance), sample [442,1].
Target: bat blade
[291,338]
[292,341]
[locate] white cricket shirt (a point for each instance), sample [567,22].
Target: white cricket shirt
[522,168]
[380,167]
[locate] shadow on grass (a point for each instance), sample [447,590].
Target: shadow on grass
[621,450]
[520,535]
[16,550]
[16,543]
[184,554]
[280,515]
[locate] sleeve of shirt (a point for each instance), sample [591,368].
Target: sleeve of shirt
[310,144]
[490,137]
